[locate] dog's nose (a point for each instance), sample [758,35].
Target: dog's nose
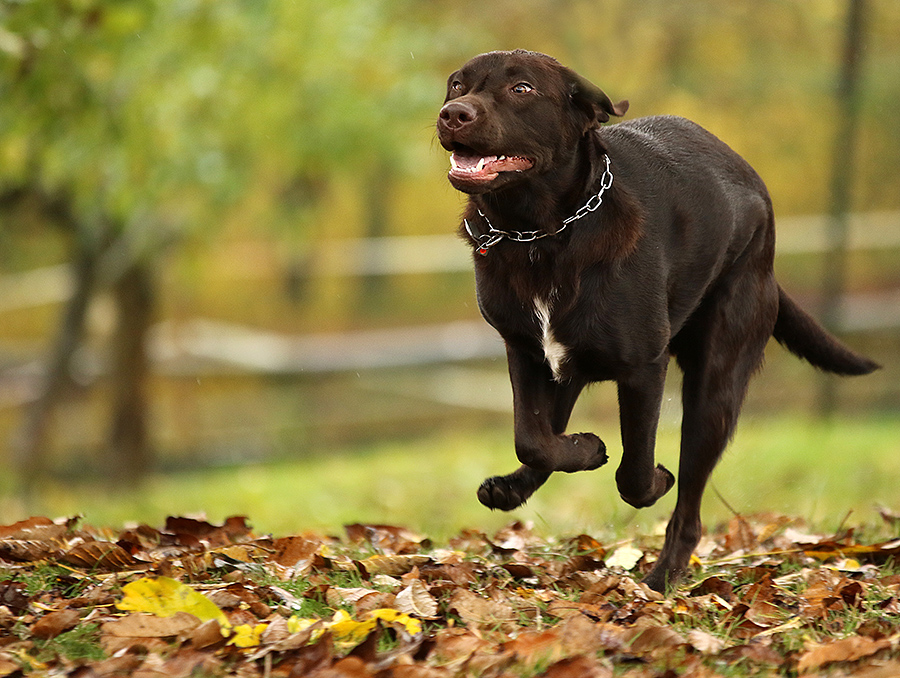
[458,114]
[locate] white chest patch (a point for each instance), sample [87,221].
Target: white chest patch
[554,352]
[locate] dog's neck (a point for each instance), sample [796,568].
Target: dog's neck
[544,203]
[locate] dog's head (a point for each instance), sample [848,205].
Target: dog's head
[509,115]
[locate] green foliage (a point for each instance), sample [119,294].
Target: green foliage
[80,644]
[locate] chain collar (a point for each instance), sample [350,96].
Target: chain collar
[494,235]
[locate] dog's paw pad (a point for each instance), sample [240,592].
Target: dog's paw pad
[498,493]
[666,477]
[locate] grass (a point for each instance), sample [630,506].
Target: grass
[787,464]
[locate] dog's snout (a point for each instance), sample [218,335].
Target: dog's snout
[458,114]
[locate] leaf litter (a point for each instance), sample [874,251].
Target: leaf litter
[765,598]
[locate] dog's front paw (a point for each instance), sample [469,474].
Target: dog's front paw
[586,452]
[498,492]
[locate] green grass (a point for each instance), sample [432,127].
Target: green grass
[791,464]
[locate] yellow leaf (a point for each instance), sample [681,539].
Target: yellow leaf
[246,635]
[164,597]
[412,626]
[297,624]
[348,632]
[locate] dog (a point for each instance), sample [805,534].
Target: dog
[599,254]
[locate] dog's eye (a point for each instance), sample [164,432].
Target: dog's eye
[456,86]
[522,88]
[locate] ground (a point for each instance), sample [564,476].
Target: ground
[766,597]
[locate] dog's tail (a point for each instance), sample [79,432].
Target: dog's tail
[797,331]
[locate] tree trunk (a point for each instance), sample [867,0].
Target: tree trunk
[849,101]
[129,446]
[32,448]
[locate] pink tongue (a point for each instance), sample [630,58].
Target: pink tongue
[489,164]
[470,162]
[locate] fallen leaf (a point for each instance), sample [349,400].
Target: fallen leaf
[100,555]
[144,625]
[480,612]
[417,601]
[386,539]
[245,635]
[532,647]
[740,535]
[578,667]
[624,557]
[54,623]
[37,528]
[27,550]
[337,596]
[704,642]
[228,532]
[642,639]
[844,650]
[392,565]
[453,647]
[13,596]
[165,597]
[296,552]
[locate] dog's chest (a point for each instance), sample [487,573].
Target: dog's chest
[555,352]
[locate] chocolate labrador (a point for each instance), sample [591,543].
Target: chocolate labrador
[600,253]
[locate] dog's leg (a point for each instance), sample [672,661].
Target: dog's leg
[541,407]
[718,353]
[641,483]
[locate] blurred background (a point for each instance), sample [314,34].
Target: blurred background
[229,280]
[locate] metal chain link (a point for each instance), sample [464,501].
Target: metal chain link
[495,235]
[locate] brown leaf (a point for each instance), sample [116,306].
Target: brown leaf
[37,528]
[453,647]
[386,539]
[141,625]
[336,596]
[580,563]
[296,552]
[415,600]
[580,635]
[844,650]
[393,565]
[187,663]
[100,555]
[54,623]
[643,639]
[585,543]
[13,596]
[349,667]
[754,652]
[578,667]
[533,647]
[764,614]
[27,550]
[704,642]
[514,537]
[740,535]
[480,612]
[715,585]
[209,633]
[415,671]
[234,528]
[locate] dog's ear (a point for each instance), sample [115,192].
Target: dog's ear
[592,102]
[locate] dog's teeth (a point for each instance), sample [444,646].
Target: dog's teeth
[501,158]
[480,165]
[453,162]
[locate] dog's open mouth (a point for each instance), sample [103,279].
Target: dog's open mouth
[466,164]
